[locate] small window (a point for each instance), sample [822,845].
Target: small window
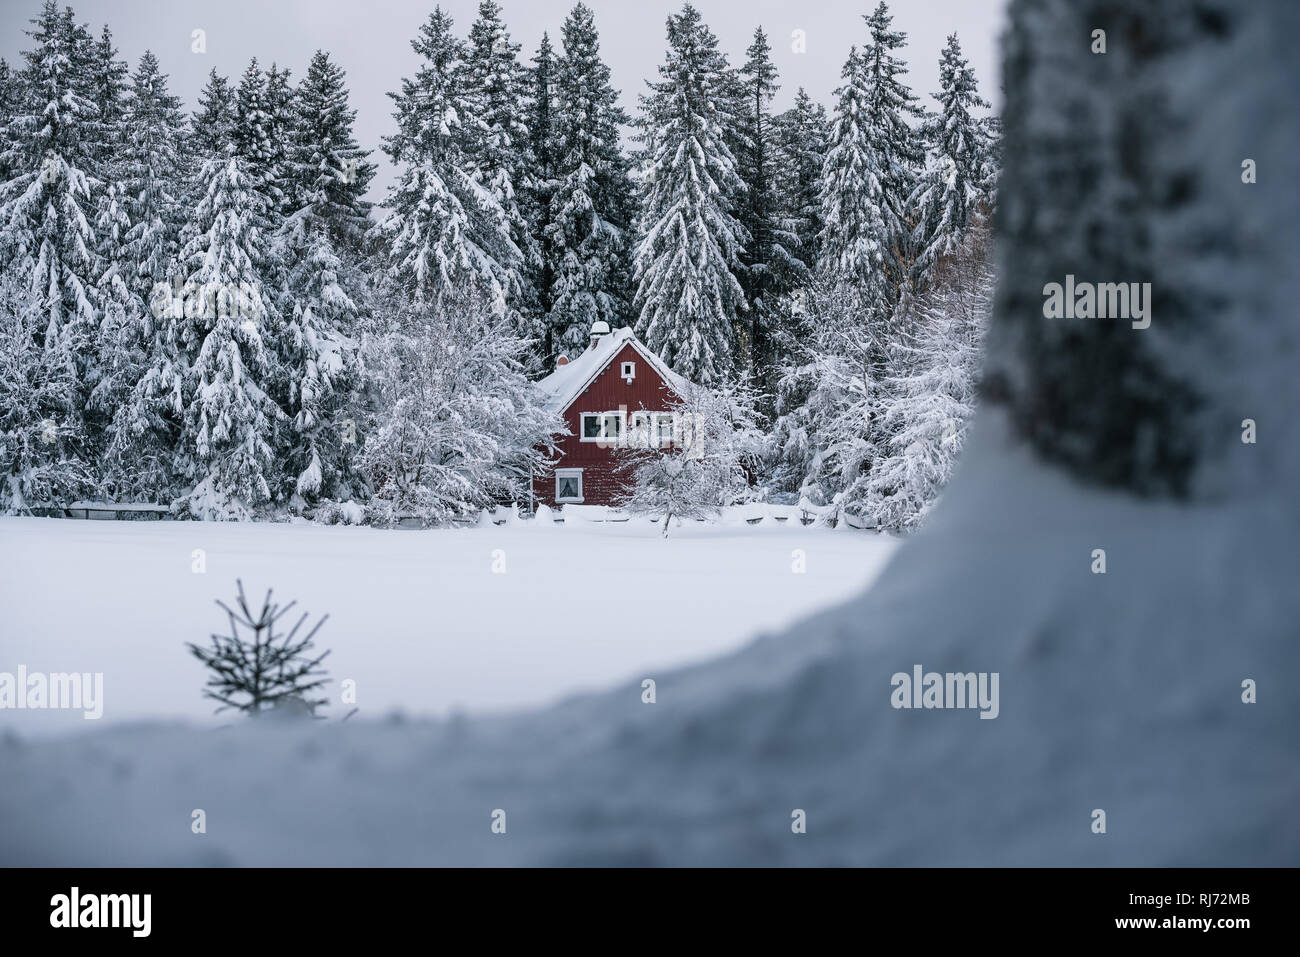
[603,427]
[568,485]
[629,371]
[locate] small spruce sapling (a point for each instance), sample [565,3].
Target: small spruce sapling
[266,670]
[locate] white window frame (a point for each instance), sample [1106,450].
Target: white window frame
[561,475]
[627,371]
[604,437]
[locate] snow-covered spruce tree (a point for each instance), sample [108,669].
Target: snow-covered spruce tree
[118,345]
[316,346]
[10,103]
[445,229]
[769,268]
[499,147]
[457,425]
[46,207]
[141,388]
[155,164]
[42,459]
[990,128]
[587,239]
[869,173]
[856,234]
[540,186]
[687,259]
[930,398]
[952,191]
[253,136]
[706,466]
[317,355]
[264,109]
[213,123]
[801,134]
[281,113]
[866,179]
[327,170]
[226,446]
[892,117]
[108,77]
[114,358]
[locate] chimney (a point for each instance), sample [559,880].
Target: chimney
[561,362]
[599,329]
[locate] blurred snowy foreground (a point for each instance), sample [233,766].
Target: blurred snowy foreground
[1119,691]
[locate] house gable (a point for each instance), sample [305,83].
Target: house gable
[564,385]
[609,391]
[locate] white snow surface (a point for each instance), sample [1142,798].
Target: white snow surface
[418,618]
[1118,691]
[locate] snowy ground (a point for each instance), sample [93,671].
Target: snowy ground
[418,619]
[1119,692]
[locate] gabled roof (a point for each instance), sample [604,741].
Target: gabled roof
[567,382]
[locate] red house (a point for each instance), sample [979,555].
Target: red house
[615,391]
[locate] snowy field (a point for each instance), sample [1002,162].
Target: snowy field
[419,619]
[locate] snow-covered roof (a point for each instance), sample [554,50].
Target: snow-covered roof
[566,383]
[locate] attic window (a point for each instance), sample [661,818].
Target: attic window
[629,372]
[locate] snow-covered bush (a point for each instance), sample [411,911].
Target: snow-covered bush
[458,426]
[929,400]
[871,416]
[706,466]
[829,396]
[339,513]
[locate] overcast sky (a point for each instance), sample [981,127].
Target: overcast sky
[371,40]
